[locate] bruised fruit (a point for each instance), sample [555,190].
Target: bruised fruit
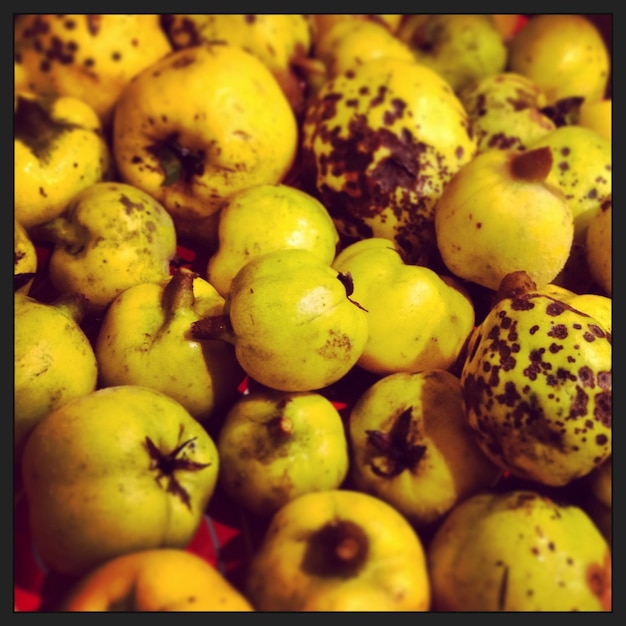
[111,236]
[505,109]
[379,145]
[91,57]
[582,165]
[502,212]
[537,385]
[519,551]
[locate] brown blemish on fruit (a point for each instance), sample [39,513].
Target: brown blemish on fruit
[338,345]
[183,61]
[129,205]
[598,578]
[94,23]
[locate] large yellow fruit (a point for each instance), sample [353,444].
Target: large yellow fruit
[503,212]
[115,471]
[233,128]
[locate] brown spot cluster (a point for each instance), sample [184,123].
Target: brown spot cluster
[518,396]
[337,346]
[405,182]
[54,48]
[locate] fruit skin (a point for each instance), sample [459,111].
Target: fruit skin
[265,218]
[350,43]
[379,144]
[293,325]
[274,446]
[599,245]
[597,116]
[90,57]
[594,304]
[281,41]
[599,501]
[54,360]
[161,579]
[111,236]
[504,211]
[460,48]
[334,550]
[323,22]
[505,109]
[537,386]
[564,54]
[411,445]
[59,150]
[417,319]
[143,339]
[519,551]
[119,470]
[582,165]
[24,259]
[231,131]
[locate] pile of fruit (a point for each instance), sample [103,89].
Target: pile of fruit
[342,282]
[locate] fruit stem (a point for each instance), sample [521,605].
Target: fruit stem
[514,285]
[280,426]
[213,327]
[340,547]
[532,166]
[178,293]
